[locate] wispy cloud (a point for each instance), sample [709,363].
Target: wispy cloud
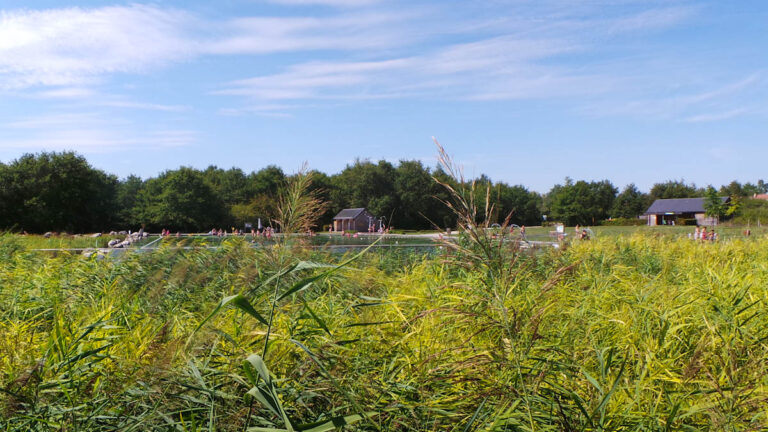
[345,32]
[263,110]
[494,68]
[513,57]
[118,103]
[695,103]
[89,132]
[335,3]
[710,117]
[66,93]
[515,49]
[75,47]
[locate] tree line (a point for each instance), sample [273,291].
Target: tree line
[63,192]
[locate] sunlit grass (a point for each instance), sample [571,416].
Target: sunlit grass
[636,332]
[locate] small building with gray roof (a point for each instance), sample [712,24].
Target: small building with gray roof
[670,211]
[353,219]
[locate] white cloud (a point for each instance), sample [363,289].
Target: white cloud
[495,68]
[717,116]
[528,49]
[712,100]
[335,3]
[121,103]
[266,35]
[66,93]
[309,80]
[652,19]
[74,47]
[525,56]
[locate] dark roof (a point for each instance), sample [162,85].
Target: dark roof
[349,213]
[678,205]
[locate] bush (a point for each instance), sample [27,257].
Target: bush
[552,223]
[623,222]
[752,211]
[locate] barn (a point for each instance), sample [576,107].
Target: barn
[670,211]
[353,219]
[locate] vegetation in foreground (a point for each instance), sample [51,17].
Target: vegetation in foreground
[628,333]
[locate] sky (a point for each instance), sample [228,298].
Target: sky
[525,91]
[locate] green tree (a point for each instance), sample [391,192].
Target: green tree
[267,181]
[581,202]
[713,204]
[414,188]
[56,192]
[524,205]
[733,189]
[364,184]
[230,185]
[674,189]
[750,189]
[180,200]
[440,214]
[127,199]
[630,203]
[322,187]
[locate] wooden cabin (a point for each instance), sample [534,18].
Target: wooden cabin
[354,219]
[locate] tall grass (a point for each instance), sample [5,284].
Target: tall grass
[636,332]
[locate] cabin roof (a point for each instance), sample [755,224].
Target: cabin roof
[350,213]
[679,205]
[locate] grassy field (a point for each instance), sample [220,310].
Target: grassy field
[66,241]
[725,232]
[533,233]
[625,332]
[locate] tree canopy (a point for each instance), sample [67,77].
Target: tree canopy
[581,202]
[63,192]
[56,191]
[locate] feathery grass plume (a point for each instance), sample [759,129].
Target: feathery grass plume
[299,206]
[480,246]
[483,245]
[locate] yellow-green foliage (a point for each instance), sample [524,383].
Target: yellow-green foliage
[629,333]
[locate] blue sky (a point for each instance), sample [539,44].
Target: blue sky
[525,91]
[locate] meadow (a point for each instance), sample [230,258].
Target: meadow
[625,332]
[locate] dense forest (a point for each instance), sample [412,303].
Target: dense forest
[63,192]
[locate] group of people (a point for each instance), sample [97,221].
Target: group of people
[581,233]
[167,232]
[267,232]
[371,230]
[703,235]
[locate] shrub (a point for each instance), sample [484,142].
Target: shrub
[624,222]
